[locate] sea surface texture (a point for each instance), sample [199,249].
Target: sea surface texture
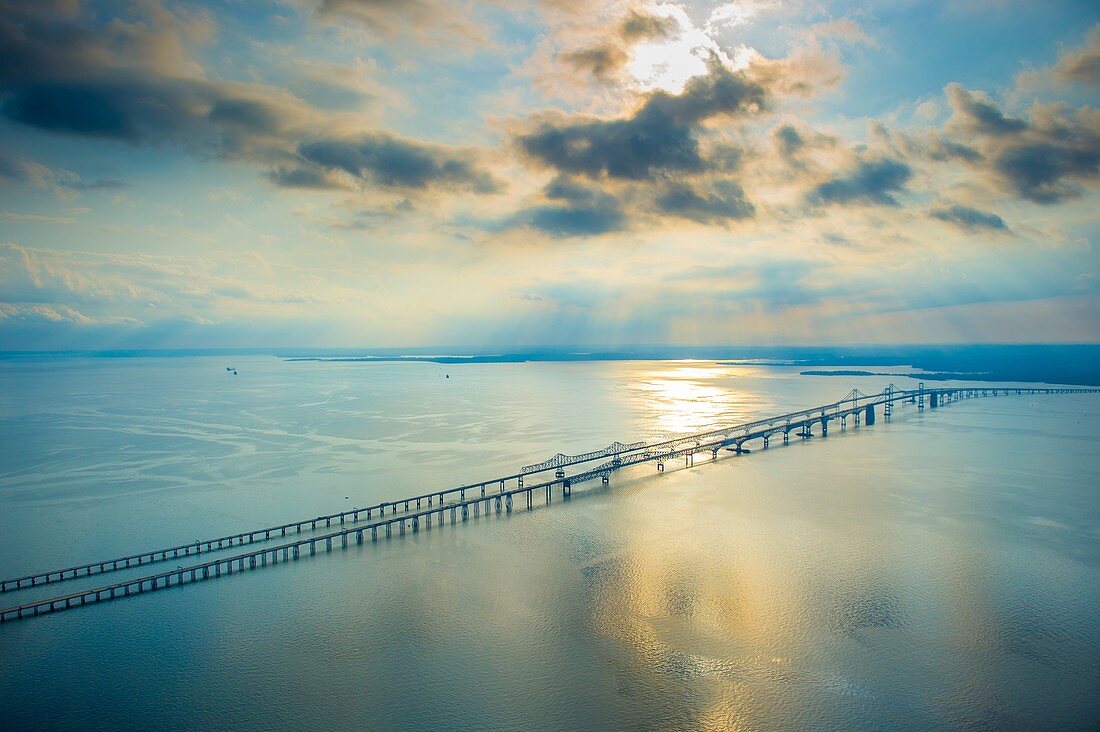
[939,571]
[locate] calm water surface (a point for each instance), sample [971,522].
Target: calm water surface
[938,572]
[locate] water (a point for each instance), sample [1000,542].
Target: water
[938,572]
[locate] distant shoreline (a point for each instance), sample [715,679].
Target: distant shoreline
[1052,364]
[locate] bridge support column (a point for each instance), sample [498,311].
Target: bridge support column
[933,400]
[786,437]
[870,414]
[824,427]
[767,439]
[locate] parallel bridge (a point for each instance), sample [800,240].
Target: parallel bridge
[452,505]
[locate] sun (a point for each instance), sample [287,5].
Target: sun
[667,64]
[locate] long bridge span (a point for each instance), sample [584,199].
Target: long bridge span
[452,505]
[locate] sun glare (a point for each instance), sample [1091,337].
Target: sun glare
[668,64]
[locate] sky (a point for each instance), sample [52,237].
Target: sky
[387,173]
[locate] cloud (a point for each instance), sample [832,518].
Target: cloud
[1042,159]
[313,178]
[574,210]
[393,162]
[726,202]
[660,136]
[133,79]
[975,113]
[1081,64]
[606,58]
[969,219]
[639,26]
[425,21]
[788,140]
[603,62]
[871,182]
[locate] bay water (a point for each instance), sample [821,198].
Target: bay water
[938,571]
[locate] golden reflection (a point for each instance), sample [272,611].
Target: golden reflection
[683,397]
[701,589]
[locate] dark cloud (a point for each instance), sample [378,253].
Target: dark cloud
[642,26]
[726,202]
[872,182]
[1043,159]
[286,176]
[788,140]
[600,61]
[942,150]
[393,162]
[659,137]
[977,113]
[132,79]
[1037,171]
[970,219]
[574,210]
[1081,64]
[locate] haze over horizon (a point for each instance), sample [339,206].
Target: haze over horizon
[360,173]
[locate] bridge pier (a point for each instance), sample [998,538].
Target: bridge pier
[870,414]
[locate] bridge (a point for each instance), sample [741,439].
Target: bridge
[452,505]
